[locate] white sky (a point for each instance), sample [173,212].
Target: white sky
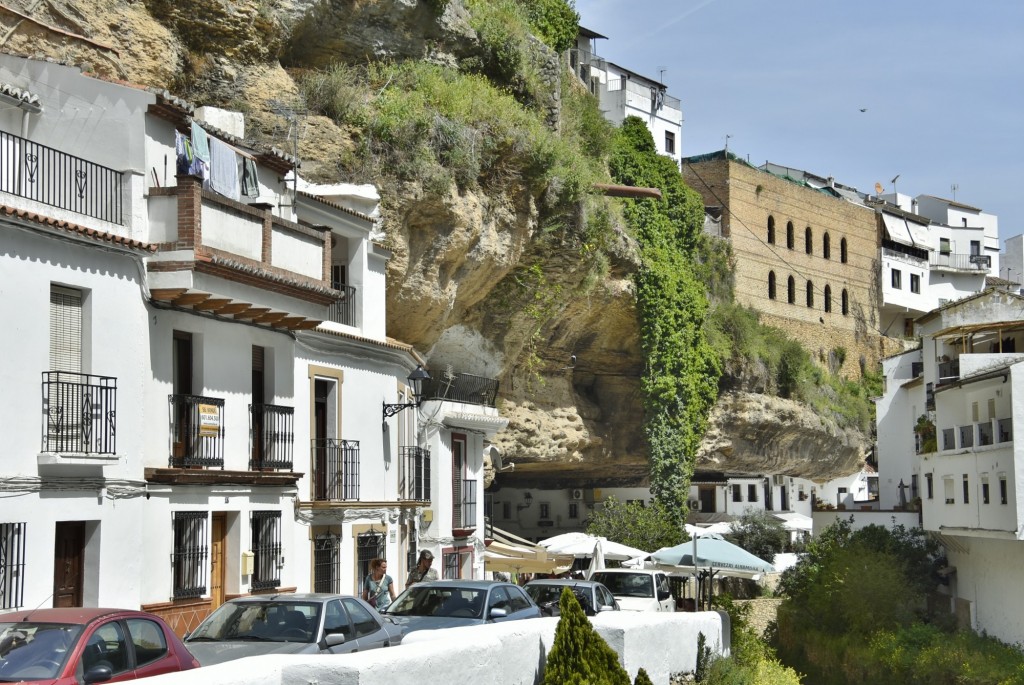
[942,82]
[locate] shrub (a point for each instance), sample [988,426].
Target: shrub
[759,533]
[642,678]
[579,656]
[636,525]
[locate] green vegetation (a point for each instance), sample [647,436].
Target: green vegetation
[680,381]
[759,533]
[855,612]
[751,661]
[636,525]
[579,656]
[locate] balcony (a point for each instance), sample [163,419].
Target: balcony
[415,478]
[461,387]
[80,413]
[464,507]
[335,470]
[51,177]
[343,310]
[271,437]
[966,436]
[949,372]
[1004,429]
[197,431]
[959,262]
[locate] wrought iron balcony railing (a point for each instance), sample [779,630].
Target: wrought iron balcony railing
[949,372]
[197,431]
[343,310]
[271,436]
[464,505]
[43,174]
[960,262]
[415,478]
[462,387]
[79,411]
[335,469]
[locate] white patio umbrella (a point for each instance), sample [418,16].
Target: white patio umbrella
[599,549]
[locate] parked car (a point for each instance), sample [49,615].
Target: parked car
[451,603]
[637,589]
[77,646]
[291,624]
[592,596]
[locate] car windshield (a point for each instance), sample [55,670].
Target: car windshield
[453,602]
[35,651]
[543,594]
[627,584]
[270,621]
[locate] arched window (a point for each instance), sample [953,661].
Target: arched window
[808,241]
[828,298]
[846,303]
[771,285]
[842,250]
[791,290]
[771,230]
[810,294]
[790,238]
[826,247]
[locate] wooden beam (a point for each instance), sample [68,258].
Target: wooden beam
[271,317]
[288,322]
[191,298]
[233,308]
[214,305]
[308,324]
[252,313]
[612,190]
[167,294]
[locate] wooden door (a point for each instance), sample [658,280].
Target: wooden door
[69,550]
[218,544]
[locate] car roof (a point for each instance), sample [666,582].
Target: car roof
[477,584]
[569,582]
[76,615]
[289,597]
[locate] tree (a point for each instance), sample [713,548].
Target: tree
[759,533]
[631,523]
[579,656]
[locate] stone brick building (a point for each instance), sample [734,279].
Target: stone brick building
[806,256]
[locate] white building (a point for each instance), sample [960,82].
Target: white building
[622,93]
[947,424]
[235,329]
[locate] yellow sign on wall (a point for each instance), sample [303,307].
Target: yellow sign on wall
[209,420]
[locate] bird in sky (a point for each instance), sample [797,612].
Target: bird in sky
[863,109]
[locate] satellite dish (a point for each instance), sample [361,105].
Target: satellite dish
[878,188]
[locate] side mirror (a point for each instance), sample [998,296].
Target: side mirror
[98,674]
[606,607]
[333,640]
[498,613]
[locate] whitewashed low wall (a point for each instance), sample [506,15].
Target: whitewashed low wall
[511,653]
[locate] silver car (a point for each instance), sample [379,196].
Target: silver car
[592,596]
[451,603]
[290,624]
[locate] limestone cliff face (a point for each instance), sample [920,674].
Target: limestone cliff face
[458,286]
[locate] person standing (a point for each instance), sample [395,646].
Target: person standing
[379,588]
[422,570]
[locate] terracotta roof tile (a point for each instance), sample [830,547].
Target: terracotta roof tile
[76,229]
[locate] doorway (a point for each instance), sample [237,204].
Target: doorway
[68,553]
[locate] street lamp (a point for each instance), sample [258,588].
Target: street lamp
[416,378]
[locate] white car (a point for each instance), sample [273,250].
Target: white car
[637,589]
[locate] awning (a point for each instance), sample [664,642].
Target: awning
[896,227]
[794,521]
[509,553]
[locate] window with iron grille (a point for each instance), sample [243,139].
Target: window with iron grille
[12,565]
[326,559]
[369,546]
[190,552]
[266,548]
[456,562]
[737,494]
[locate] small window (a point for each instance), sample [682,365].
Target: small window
[771,285]
[975,245]
[574,510]
[771,230]
[1003,498]
[189,555]
[790,237]
[846,303]
[929,486]
[12,566]
[791,290]
[545,510]
[670,142]
[947,488]
[148,638]
[826,246]
[915,283]
[896,278]
[808,241]
[810,294]
[828,298]
[967,489]
[944,246]
[984,490]
[752,492]
[842,251]
[737,494]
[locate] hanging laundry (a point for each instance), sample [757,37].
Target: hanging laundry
[200,143]
[224,169]
[250,179]
[183,153]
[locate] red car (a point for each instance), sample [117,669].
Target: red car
[86,645]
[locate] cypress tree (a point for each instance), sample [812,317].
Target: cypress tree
[579,655]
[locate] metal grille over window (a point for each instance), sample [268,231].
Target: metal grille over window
[416,473]
[266,547]
[369,546]
[335,469]
[326,557]
[190,552]
[12,565]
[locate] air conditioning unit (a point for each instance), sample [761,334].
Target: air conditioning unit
[694,505]
[778,480]
[576,494]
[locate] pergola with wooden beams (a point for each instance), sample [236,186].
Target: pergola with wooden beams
[231,309]
[964,335]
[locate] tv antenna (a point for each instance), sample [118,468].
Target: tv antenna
[893,182]
[955,187]
[727,137]
[295,118]
[661,74]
